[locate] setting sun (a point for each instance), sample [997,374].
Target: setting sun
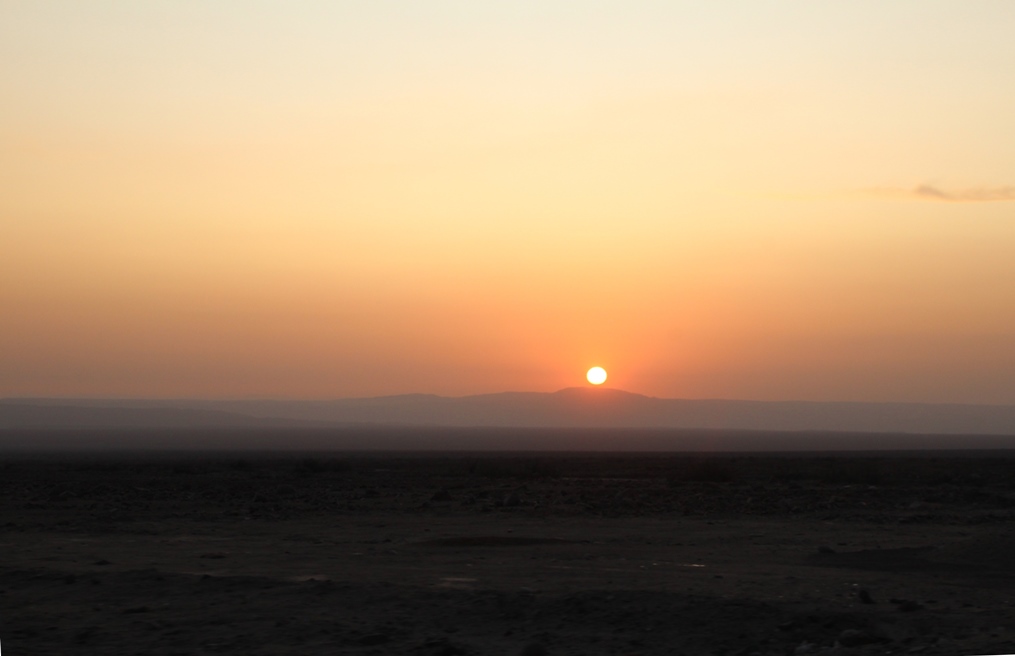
[596,375]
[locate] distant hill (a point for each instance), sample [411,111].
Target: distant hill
[567,408]
[611,408]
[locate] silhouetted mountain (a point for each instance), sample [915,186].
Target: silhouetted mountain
[612,408]
[567,408]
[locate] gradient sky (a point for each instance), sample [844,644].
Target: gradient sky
[763,200]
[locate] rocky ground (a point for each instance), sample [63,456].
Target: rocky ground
[517,555]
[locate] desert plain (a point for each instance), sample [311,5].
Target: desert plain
[445,554]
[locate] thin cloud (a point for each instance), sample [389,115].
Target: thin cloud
[975,195]
[928,192]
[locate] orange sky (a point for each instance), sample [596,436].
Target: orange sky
[318,200]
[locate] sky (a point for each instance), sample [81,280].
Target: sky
[780,200]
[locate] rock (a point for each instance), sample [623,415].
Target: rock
[865,597]
[906,605]
[534,649]
[824,549]
[441,495]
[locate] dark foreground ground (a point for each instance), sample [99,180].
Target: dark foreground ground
[518,555]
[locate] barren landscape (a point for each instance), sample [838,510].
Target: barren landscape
[444,554]
[531,328]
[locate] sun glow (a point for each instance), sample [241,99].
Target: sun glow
[596,375]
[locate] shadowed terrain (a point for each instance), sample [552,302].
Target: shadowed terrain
[507,554]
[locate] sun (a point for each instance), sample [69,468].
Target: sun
[596,375]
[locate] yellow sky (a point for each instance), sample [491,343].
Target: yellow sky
[782,200]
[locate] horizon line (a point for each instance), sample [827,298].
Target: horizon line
[583,389]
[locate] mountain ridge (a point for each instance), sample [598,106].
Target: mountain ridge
[572,407]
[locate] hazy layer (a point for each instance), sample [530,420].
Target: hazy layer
[595,418]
